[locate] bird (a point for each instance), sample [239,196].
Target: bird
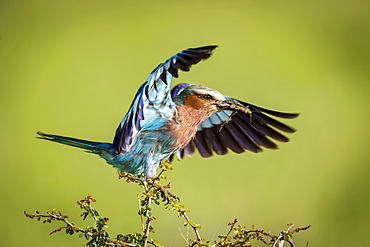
[162,122]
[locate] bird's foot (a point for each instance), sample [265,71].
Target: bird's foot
[165,194]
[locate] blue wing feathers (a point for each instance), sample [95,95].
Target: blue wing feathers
[153,97]
[178,88]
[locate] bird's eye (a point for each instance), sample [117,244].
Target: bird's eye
[205,96]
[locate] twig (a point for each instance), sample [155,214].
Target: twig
[148,219]
[231,228]
[67,222]
[91,210]
[193,226]
[90,242]
[140,213]
[121,243]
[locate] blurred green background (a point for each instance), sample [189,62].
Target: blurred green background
[73,67]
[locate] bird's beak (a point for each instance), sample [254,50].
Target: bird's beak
[233,105]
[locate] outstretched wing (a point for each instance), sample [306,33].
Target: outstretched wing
[241,132]
[153,98]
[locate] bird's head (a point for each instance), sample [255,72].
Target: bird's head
[207,100]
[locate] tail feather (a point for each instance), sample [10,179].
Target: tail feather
[93,147]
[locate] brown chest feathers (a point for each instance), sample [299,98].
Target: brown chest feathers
[189,116]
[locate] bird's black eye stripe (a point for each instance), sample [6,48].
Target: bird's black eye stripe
[205,96]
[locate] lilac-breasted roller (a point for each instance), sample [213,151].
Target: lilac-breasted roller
[162,122]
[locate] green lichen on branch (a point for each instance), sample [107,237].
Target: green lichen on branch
[156,193]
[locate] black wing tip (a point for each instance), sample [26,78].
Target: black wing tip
[205,47]
[268,111]
[191,56]
[292,115]
[286,115]
[205,51]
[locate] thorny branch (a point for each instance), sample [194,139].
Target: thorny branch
[96,233]
[153,193]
